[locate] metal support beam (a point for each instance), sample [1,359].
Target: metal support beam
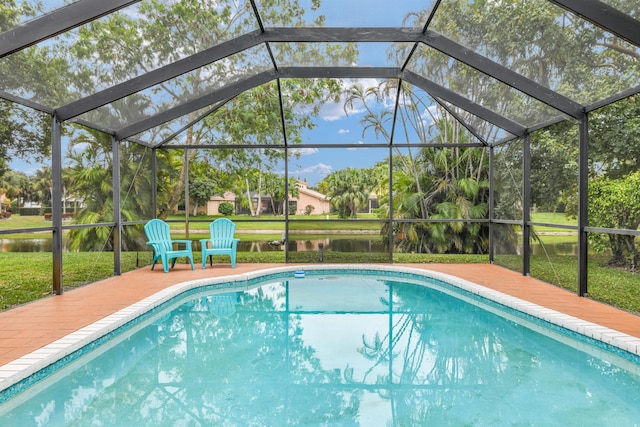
[285,141]
[434,89]
[583,205]
[503,74]
[462,121]
[56,203]
[604,16]
[57,22]
[339,72]
[614,98]
[390,172]
[186,193]
[201,102]
[191,123]
[391,222]
[341,34]
[492,238]
[235,89]
[215,53]
[158,76]
[154,181]
[526,205]
[26,102]
[117,208]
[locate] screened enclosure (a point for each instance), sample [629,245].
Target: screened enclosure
[409,131]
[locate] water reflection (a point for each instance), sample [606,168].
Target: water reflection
[372,245]
[294,245]
[330,351]
[570,248]
[28,245]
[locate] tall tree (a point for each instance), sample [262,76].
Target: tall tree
[42,184]
[90,174]
[615,203]
[349,190]
[614,139]
[41,73]
[274,187]
[12,185]
[436,183]
[554,167]
[206,180]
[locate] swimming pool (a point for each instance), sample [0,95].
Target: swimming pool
[382,347]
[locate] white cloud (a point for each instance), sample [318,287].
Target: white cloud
[333,111]
[343,131]
[355,148]
[319,168]
[303,151]
[430,113]
[80,147]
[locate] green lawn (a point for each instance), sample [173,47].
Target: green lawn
[297,222]
[244,222]
[553,218]
[19,221]
[615,287]
[271,222]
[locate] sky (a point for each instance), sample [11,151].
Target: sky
[336,127]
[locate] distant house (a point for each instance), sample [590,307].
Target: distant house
[319,202]
[372,204]
[213,205]
[307,197]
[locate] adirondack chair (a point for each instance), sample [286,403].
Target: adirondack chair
[220,242]
[159,236]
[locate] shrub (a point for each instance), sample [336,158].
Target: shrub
[30,211]
[225,208]
[615,203]
[308,209]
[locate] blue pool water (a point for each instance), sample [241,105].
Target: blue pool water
[335,350]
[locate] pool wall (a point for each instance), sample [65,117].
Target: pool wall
[29,369]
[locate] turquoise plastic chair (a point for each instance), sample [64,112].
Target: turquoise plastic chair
[221,241]
[159,236]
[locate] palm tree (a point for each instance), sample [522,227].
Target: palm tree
[90,179]
[349,190]
[437,183]
[274,187]
[42,185]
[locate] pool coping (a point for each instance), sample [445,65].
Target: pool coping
[29,364]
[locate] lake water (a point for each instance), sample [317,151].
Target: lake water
[300,245]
